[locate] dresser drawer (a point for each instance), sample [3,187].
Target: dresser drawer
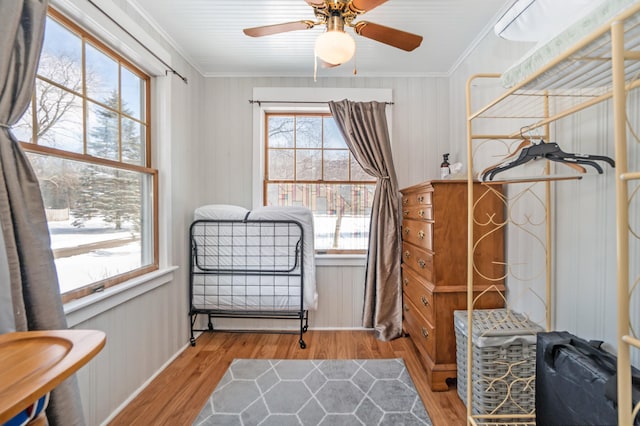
[418,233]
[417,292]
[421,331]
[417,212]
[419,260]
[418,198]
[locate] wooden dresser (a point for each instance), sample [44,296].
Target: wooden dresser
[434,266]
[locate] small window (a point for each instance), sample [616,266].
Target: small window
[87,137]
[309,164]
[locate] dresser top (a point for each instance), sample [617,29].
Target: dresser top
[426,184]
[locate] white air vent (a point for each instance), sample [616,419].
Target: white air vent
[541,20]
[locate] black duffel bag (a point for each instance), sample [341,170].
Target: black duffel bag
[576,382]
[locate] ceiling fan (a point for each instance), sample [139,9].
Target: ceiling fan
[335,46]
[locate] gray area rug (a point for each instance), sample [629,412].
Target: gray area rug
[315,392]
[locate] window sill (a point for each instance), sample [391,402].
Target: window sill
[81,310]
[341,259]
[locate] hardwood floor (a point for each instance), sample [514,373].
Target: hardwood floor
[177,395]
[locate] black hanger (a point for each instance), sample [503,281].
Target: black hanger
[550,151]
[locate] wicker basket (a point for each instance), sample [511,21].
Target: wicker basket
[504,361]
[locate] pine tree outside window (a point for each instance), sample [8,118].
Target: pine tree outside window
[309,164]
[87,137]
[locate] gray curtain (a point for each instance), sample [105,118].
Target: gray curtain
[364,127]
[34,285]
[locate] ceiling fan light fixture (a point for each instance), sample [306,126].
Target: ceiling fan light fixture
[335,47]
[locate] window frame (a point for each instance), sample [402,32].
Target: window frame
[145,169]
[265,178]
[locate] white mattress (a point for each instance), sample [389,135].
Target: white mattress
[239,249]
[246,293]
[220,212]
[544,53]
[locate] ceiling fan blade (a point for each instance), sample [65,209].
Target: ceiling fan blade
[315,3]
[361,6]
[278,28]
[391,36]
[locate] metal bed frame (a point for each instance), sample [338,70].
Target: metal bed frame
[247,269]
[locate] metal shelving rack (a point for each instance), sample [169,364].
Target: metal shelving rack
[604,66]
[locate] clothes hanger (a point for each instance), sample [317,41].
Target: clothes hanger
[550,151]
[523,144]
[526,141]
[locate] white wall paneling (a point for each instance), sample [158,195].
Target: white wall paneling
[419,134]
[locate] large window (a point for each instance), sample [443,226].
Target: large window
[86,134]
[309,164]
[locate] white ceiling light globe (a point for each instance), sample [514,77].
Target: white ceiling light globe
[335,47]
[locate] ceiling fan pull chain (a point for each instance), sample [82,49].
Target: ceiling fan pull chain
[315,67]
[355,66]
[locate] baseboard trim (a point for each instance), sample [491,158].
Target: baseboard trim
[288,329]
[144,385]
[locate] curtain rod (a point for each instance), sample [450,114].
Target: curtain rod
[173,71]
[253,101]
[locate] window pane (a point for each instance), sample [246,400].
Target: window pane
[336,165]
[59,116]
[23,129]
[133,142]
[102,77]
[99,219]
[341,212]
[332,136]
[308,164]
[102,132]
[280,132]
[308,132]
[133,94]
[61,58]
[358,174]
[281,165]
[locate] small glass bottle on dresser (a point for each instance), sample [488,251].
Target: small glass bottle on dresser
[444,166]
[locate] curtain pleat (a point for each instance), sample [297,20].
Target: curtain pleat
[364,128]
[34,285]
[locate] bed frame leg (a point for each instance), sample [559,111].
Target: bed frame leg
[304,325]
[193,317]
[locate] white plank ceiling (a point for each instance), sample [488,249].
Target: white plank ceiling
[209,35]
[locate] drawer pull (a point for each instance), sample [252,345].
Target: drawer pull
[422,263]
[406,308]
[405,213]
[425,333]
[405,201]
[406,231]
[424,300]
[420,198]
[407,254]
[421,213]
[421,234]
[406,282]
